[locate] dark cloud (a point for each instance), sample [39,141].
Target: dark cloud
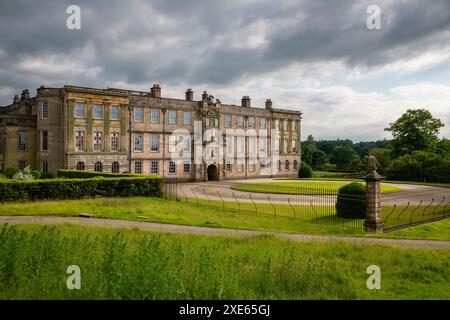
[202,41]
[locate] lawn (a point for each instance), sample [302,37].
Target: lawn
[133,264]
[201,214]
[305,188]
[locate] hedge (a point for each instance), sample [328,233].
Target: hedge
[19,190]
[305,171]
[351,201]
[80,174]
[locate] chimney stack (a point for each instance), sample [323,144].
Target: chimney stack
[156,91]
[16,99]
[25,95]
[269,104]
[204,95]
[189,95]
[245,101]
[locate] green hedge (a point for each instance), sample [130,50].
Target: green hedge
[351,201]
[20,190]
[79,174]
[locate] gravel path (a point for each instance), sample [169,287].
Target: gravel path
[221,190]
[172,228]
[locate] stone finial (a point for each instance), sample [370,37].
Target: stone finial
[372,165]
[268,104]
[25,95]
[16,99]
[205,95]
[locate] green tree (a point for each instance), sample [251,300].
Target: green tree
[308,148]
[342,157]
[319,158]
[415,130]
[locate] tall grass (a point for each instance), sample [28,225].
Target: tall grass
[137,265]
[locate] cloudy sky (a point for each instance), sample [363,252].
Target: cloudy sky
[316,56]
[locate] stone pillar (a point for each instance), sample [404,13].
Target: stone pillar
[373,222]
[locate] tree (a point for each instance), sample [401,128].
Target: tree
[319,158]
[308,148]
[342,157]
[415,130]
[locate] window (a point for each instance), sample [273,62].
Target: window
[229,141]
[285,146]
[22,164]
[80,166]
[155,143]
[80,110]
[294,146]
[44,166]
[172,143]
[154,116]
[295,164]
[252,147]
[262,123]
[229,166]
[251,122]
[240,145]
[293,125]
[44,111]
[79,140]
[262,145]
[154,167]
[44,141]
[286,124]
[286,165]
[252,167]
[98,111]
[114,115]
[207,122]
[240,122]
[98,166]
[172,167]
[114,141]
[138,167]
[138,142]
[22,143]
[187,167]
[172,117]
[186,118]
[228,119]
[277,124]
[98,141]
[187,144]
[279,165]
[138,114]
[240,167]
[115,167]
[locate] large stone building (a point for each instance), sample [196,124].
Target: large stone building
[89,129]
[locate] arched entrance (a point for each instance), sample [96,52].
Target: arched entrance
[212,173]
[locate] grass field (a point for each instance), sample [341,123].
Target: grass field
[134,264]
[290,219]
[306,188]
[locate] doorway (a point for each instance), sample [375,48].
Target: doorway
[212,173]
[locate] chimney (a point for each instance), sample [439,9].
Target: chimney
[156,91]
[204,95]
[269,104]
[189,95]
[246,101]
[16,99]
[25,95]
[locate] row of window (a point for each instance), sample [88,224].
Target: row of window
[154,167]
[98,166]
[80,144]
[97,111]
[22,140]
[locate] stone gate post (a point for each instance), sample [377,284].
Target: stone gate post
[373,222]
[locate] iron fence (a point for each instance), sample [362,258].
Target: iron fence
[304,204]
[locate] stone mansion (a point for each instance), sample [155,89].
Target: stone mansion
[118,130]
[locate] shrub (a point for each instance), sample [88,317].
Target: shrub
[79,174]
[36,174]
[46,175]
[20,190]
[10,172]
[304,171]
[328,166]
[25,174]
[351,201]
